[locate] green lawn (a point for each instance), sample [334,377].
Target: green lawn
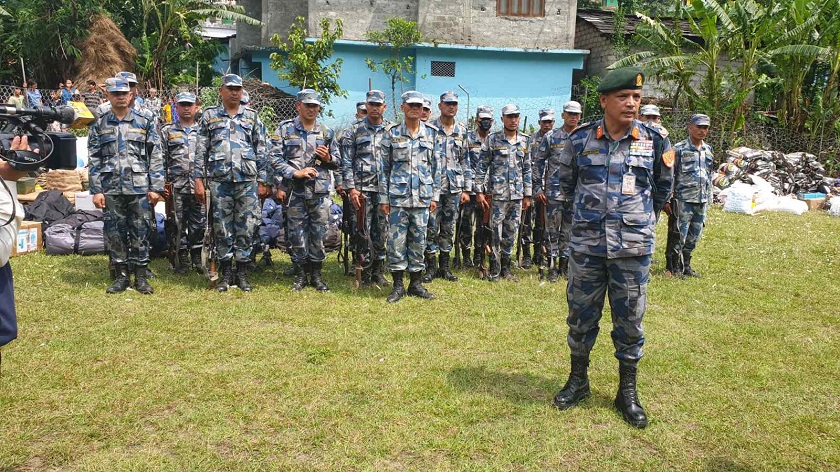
[740,372]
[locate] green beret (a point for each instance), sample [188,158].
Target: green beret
[625,78]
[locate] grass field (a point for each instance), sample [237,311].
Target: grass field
[741,372]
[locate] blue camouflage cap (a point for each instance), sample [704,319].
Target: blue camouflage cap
[413,96]
[427,102]
[185,97]
[449,97]
[361,106]
[309,96]
[231,80]
[701,120]
[116,85]
[510,109]
[572,107]
[246,98]
[547,114]
[649,110]
[127,76]
[484,112]
[375,96]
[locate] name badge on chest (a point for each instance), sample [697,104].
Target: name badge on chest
[641,147]
[628,184]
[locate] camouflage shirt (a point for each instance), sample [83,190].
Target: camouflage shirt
[125,155]
[504,167]
[410,176]
[615,188]
[692,172]
[178,144]
[474,142]
[360,160]
[456,175]
[546,161]
[231,148]
[293,148]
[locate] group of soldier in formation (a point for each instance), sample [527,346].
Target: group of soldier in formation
[592,193]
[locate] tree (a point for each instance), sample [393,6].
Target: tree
[304,64]
[400,34]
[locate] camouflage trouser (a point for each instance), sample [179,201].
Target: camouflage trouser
[235,217]
[504,221]
[407,238]
[625,281]
[470,215]
[442,224]
[673,254]
[128,224]
[692,216]
[193,218]
[308,219]
[558,219]
[377,225]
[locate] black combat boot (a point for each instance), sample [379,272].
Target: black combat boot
[242,276]
[627,400]
[140,282]
[465,257]
[183,262]
[225,276]
[577,387]
[553,269]
[527,263]
[564,266]
[507,274]
[377,271]
[687,270]
[300,277]
[479,251]
[443,271]
[195,257]
[415,287]
[121,280]
[492,269]
[289,270]
[316,280]
[431,268]
[399,289]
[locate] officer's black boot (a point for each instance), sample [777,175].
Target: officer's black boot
[507,274]
[226,276]
[242,276]
[465,258]
[140,282]
[300,277]
[627,400]
[416,289]
[183,262]
[577,387]
[195,257]
[399,288]
[527,263]
[121,280]
[443,271]
[431,268]
[316,280]
[377,271]
[553,269]
[687,270]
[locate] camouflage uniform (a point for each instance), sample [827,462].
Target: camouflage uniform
[178,143]
[616,186]
[456,176]
[472,214]
[231,157]
[308,207]
[409,184]
[558,211]
[692,192]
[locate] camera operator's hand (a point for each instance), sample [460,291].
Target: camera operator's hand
[154,198]
[19,143]
[99,200]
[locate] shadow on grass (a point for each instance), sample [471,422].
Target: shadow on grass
[516,387]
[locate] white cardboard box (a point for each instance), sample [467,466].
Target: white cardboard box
[84,201]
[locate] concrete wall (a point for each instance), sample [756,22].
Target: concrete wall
[359,16]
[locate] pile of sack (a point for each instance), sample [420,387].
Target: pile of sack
[793,173]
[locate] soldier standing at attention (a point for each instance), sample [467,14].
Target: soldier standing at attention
[178,141]
[558,210]
[455,180]
[546,122]
[408,192]
[361,176]
[618,173]
[473,213]
[231,157]
[504,170]
[304,154]
[127,180]
[692,188]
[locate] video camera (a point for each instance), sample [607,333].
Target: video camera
[55,150]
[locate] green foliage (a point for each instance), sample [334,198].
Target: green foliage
[591,104]
[305,64]
[400,34]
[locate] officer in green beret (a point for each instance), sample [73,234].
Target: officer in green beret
[618,173]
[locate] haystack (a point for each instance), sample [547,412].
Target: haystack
[104,52]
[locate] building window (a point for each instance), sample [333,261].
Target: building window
[443,69]
[520,7]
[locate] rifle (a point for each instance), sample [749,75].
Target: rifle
[457,261]
[486,240]
[540,233]
[172,227]
[361,241]
[522,221]
[209,255]
[347,228]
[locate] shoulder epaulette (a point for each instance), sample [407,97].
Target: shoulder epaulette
[583,127]
[657,129]
[433,127]
[390,126]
